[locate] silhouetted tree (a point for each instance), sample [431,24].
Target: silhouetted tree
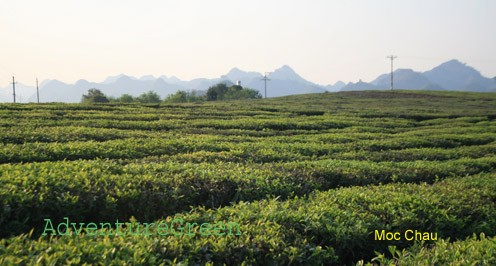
[149,97]
[126,98]
[216,92]
[238,92]
[222,92]
[184,97]
[178,97]
[94,96]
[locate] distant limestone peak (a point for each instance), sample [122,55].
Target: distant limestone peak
[236,74]
[453,62]
[454,75]
[123,79]
[285,69]
[147,77]
[235,71]
[286,73]
[82,82]
[112,79]
[454,66]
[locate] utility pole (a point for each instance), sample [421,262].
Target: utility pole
[13,87]
[265,80]
[37,91]
[392,57]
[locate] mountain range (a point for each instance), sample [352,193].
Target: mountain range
[451,75]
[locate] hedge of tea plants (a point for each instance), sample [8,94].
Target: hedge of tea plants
[309,178]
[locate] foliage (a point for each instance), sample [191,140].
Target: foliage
[320,228]
[184,97]
[222,92]
[148,97]
[94,96]
[126,98]
[472,251]
[308,177]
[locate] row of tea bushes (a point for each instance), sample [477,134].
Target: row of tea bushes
[472,251]
[102,189]
[251,149]
[332,227]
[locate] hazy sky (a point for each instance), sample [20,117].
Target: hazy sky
[324,41]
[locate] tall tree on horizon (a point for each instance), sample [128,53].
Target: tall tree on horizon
[94,96]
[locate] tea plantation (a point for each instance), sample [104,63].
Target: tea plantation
[305,180]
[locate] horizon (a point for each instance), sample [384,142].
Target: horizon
[220,75]
[323,42]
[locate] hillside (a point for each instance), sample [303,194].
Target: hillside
[303,179]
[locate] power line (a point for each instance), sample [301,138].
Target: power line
[13,87]
[37,91]
[392,57]
[265,80]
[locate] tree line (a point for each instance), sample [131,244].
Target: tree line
[217,92]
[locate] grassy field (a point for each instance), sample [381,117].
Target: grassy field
[308,179]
